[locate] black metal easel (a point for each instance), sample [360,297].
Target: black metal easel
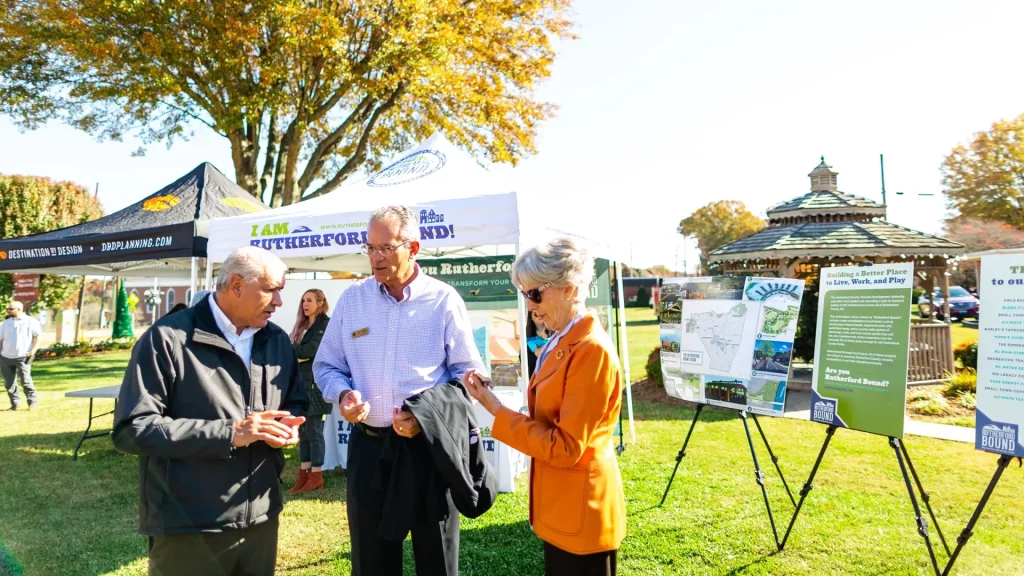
[907,469]
[961,541]
[758,473]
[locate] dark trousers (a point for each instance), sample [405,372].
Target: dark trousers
[558,562]
[311,440]
[247,552]
[14,369]
[435,545]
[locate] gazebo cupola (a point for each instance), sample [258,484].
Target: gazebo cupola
[823,178]
[825,203]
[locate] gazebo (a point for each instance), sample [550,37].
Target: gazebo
[827,227]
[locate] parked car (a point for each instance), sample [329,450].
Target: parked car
[961,304]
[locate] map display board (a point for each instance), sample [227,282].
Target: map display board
[728,341]
[862,348]
[1001,356]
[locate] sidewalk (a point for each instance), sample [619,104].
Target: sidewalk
[798,407]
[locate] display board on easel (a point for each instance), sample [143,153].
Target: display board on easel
[861,353]
[728,342]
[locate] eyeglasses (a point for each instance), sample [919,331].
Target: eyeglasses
[534,295]
[384,249]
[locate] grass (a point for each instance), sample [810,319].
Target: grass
[63,517]
[642,334]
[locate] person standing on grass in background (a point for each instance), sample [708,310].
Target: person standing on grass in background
[577,506]
[393,336]
[310,325]
[210,397]
[19,340]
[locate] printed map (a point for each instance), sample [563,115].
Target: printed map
[721,334]
[778,322]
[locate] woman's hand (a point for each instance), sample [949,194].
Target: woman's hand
[476,388]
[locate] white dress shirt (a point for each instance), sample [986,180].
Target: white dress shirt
[16,336]
[242,343]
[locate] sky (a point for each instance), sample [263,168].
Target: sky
[667,105]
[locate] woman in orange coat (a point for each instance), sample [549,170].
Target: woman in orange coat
[576,502]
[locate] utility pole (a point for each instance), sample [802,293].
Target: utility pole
[881,164]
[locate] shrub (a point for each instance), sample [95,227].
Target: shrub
[807,323]
[934,406]
[643,298]
[965,381]
[967,354]
[654,367]
[82,348]
[967,400]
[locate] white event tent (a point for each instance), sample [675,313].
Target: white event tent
[463,209]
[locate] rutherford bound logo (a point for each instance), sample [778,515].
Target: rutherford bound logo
[431,217]
[824,411]
[412,167]
[1000,438]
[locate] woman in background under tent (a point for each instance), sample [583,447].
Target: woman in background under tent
[536,337]
[310,324]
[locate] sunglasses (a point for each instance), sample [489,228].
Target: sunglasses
[534,295]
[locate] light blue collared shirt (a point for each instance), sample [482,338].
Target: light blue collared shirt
[390,350]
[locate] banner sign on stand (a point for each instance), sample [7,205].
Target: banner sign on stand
[728,341]
[483,282]
[862,348]
[1000,414]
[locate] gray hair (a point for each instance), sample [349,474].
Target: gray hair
[17,305]
[408,228]
[559,262]
[251,263]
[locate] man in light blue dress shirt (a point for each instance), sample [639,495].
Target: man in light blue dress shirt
[393,336]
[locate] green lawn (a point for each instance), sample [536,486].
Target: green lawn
[963,334]
[63,517]
[642,336]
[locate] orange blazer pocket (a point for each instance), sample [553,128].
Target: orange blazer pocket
[562,497]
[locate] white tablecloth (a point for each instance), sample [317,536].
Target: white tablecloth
[508,463]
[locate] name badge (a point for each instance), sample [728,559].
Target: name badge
[361,332]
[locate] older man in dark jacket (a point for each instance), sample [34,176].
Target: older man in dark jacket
[210,397]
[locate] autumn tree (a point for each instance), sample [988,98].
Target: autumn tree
[977,234]
[31,205]
[985,179]
[717,224]
[305,91]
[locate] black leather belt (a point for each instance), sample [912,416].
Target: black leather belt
[374,431]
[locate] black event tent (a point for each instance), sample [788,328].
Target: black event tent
[159,236]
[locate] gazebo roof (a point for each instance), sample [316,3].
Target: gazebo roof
[826,202]
[835,239]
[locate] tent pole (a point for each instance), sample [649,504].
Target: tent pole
[193,279]
[625,348]
[524,367]
[209,275]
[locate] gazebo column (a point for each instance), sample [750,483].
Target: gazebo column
[929,289]
[944,283]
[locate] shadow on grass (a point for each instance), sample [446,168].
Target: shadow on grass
[655,411]
[66,517]
[496,549]
[636,323]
